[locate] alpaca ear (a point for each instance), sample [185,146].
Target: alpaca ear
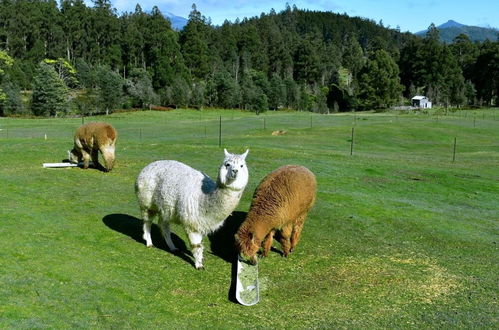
[245,154]
[227,154]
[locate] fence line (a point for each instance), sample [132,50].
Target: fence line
[186,129]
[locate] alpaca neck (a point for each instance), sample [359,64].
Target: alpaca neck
[220,202]
[258,226]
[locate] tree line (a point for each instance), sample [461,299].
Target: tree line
[67,57]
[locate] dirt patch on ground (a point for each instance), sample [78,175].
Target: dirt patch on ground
[415,278]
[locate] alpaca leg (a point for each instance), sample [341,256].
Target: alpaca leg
[95,158]
[267,243]
[297,228]
[146,216]
[86,159]
[284,239]
[197,249]
[164,225]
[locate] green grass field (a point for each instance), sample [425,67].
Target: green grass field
[401,235]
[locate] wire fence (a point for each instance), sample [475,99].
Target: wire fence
[419,135]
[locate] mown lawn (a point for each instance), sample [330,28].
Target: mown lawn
[401,235]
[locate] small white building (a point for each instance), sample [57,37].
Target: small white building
[420,101]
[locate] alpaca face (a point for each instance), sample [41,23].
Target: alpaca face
[74,156]
[247,247]
[234,173]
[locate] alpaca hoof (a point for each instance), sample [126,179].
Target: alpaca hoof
[149,245]
[174,250]
[201,267]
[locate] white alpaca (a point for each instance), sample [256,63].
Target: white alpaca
[180,194]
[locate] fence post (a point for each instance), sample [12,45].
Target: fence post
[310,121]
[220,133]
[351,143]
[454,151]
[140,134]
[82,119]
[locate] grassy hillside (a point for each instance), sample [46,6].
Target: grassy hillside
[401,236]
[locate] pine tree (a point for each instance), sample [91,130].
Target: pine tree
[163,57]
[75,23]
[12,104]
[110,89]
[277,93]
[307,64]
[379,82]
[486,73]
[193,40]
[50,94]
[223,90]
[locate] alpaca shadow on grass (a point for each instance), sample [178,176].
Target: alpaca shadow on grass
[132,227]
[222,241]
[222,244]
[91,165]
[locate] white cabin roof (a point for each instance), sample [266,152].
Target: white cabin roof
[419,97]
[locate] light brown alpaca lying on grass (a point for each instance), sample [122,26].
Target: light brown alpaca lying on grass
[280,203]
[91,138]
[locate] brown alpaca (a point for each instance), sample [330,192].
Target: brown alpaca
[91,138]
[280,203]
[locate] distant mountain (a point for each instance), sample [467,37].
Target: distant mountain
[178,22]
[451,29]
[451,24]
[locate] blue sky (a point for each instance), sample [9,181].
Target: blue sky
[410,15]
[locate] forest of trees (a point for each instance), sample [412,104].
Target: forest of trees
[69,58]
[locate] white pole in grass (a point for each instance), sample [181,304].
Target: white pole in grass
[53,165]
[220,133]
[454,151]
[351,143]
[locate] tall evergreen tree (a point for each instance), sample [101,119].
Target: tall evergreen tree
[12,103]
[379,85]
[194,43]
[76,23]
[110,89]
[486,74]
[163,57]
[50,94]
